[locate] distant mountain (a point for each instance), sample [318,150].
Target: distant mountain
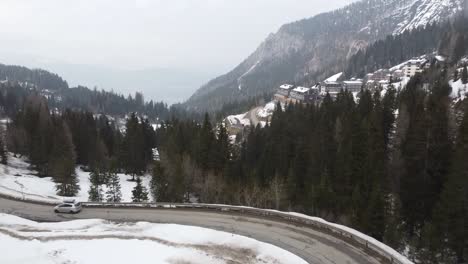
[37,78]
[170,85]
[308,50]
[18,82]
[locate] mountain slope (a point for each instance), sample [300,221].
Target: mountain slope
[309,49]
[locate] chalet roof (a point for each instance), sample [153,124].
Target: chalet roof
[353,82]
[334,78]
[301,89]
[327,83]
[287,86]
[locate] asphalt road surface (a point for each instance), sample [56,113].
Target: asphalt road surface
[313,246]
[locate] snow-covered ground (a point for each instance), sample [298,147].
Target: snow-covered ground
[239,119]
[267,110]
[459,90]
[99,241]
[18,180]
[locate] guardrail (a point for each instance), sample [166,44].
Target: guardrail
[341,232]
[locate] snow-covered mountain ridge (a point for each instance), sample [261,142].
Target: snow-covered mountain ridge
[311,48]
[423,12]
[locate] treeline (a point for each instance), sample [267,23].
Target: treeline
[55,143]
[12,95]
[401,178]
[40,78]
[59,95]
[449,39]
[111,103]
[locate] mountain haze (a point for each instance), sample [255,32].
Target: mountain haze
[309,49]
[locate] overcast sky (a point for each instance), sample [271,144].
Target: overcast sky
[214,35]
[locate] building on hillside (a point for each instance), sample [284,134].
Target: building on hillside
[379,75]
[353,86]
[299,95]
[413,67]
[332,87]
[398,75]
[282,94]
[236,124]
[305,95]
[314,94]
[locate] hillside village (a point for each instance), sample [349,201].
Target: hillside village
[287,93]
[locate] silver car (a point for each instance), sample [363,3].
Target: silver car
[70,207]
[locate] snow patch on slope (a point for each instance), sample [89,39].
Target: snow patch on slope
[423,12]
[18,180]
[459,90]
[245,74]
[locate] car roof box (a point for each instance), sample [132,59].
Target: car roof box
[68,200]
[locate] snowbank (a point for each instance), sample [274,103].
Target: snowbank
[92,241]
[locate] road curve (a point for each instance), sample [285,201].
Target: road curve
[313,246]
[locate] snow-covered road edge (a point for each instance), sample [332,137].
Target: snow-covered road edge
[337,230]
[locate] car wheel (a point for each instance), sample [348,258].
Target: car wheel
[56,211]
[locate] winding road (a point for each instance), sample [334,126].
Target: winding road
[312,245]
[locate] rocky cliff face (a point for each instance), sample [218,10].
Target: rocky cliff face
[306,51]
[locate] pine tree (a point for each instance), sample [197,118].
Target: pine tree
[439,144]
[39,128]
[222,147]
[3,153]
[376,212]
[95,190]
[455,75]
[62,162]
[414,180]
[139,193]
[393,233]
[207,139]
[389,107]
[464,76]
[133,147]
[113,193]
[450,218]
[160,184]
[95,193]
[99,162]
